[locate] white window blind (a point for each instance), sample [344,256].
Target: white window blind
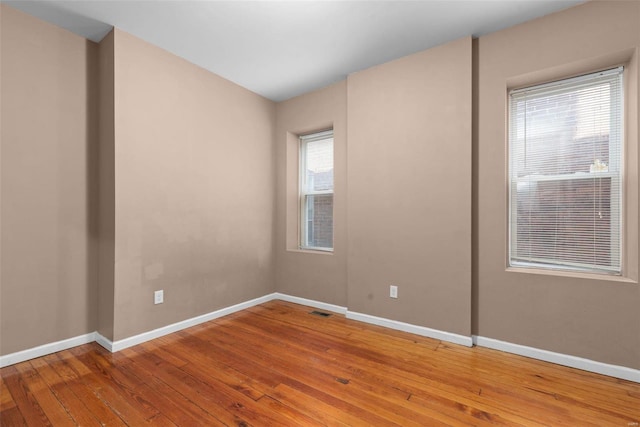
[565,167]
[316,191]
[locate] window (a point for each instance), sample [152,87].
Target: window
[565,167]
[316,191]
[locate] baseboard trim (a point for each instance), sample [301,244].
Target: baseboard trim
[45,349]
[615,371]
[311,303]
[414,329]
[178,326]
[104,342]
[392,324]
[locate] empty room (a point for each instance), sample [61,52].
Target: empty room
[319,213]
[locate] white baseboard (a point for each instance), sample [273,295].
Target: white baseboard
[414,329]
[392,324]
[310,303]
[547,356]
[178,326]
[560,359]
[104,342]
[45,349]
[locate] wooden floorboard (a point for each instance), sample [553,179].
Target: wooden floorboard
[278,365]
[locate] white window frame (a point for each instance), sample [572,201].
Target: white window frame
[615,173]
[304,194]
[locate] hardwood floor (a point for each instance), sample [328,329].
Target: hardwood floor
[278,365]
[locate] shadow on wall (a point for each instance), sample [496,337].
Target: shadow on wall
[475,113]
[92,188]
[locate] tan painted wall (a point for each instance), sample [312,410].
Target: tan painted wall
[409,175]
[585,317]
[307,274]
[48,138]
[106,190]
[194,189]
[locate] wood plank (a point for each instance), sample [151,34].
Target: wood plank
[110,394]
[51,406]
[211,399]
[175,406]
[327,411]
[96,406]
[128,385]
[65,395]
[25,401]
[293,413]
[239,379]
[6,400]
[11,417]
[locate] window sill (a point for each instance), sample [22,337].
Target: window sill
[311,251]
[572,274]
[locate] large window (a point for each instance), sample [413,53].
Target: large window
[565,167]
[316,191]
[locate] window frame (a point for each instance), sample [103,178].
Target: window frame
[617,223]
[303,194]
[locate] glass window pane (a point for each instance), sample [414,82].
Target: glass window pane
[319,165]
[319,221]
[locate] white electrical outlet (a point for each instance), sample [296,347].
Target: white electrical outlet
[158,297]
[393,291]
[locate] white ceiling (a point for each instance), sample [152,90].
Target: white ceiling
[280,49]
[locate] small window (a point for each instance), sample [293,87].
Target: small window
[316,191]
[565,167]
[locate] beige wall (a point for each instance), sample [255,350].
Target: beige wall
[194,189]
[48,138]
[586,317]
[409,175]
[307,274]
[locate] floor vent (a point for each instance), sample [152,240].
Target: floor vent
[320,313]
